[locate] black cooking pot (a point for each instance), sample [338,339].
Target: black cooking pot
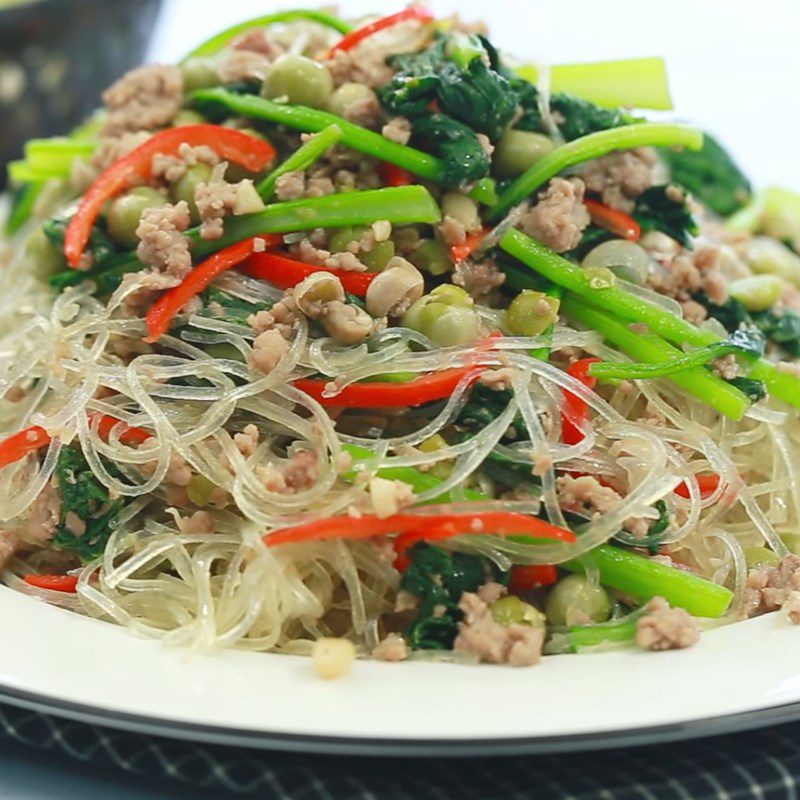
[56,58]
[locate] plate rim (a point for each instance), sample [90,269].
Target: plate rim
[495,747]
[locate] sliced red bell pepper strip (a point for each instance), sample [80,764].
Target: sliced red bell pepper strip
[500,523]
[286,272]
[350,40]
[164,310]
[18,445]
[708,485]
[230,144]
[384,394]
[56,583]
[461,252]
[525,577]
[128,435]
[575,408]
[392,175]
[613,220]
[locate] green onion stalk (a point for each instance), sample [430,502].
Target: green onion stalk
[630,308]
[650,348]
[363,140]
[626,83]
[216,43]
[645,134]
[402,205]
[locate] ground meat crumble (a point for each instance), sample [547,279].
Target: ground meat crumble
[620,177]
[768,588]
[666,628]
[560,217]
[162,245]
[480,634]
[147,98]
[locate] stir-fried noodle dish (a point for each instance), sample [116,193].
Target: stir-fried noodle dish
[367,338]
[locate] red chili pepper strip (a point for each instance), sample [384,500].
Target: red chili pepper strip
[575,408]
[164,310]
[129,434]
[383,394]
[350,40]
[461,252]
[56,583]
[501,523]
[708,485]
[525,577]
[18,445]
[393,175]
[618,222]
[286,272]
[230,145]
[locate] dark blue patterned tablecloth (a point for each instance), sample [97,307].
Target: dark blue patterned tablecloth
[762,765]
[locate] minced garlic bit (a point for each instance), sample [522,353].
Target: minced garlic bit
[333,658]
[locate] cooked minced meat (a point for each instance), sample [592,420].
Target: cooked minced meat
[559,219]
[666,628]
[147,98]
[172,168]
[162,245]
[768,588]
[620,177]
[217,198]
[480,634]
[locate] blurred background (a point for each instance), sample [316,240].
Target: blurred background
[731,64]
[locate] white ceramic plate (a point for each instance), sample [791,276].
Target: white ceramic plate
[739,676]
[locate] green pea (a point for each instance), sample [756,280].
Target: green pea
[188,117]
[302,81]
[452,296]
[199,73]
[200,490]
[348,95]
[532,313]
[760,557]
[510,610]
[765,255]
[185,187]
[463,209]
[454,326]
[575,600]
[43,257]
[432,257]
[518,150]
[757,293]
[792,542]
[125,212]
[600,277]
[340,241]
[378,257]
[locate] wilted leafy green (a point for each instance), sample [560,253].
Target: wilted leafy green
[782,327]
[580,117]
[461,74]
[438,578]
[83,495]
[456,145]
[657,211]
[711,175]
